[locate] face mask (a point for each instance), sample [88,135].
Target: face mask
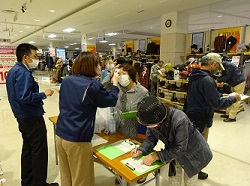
[34,63]
[124,80]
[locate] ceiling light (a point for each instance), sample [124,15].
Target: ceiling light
[52,36]
[219,16]
[66,46]
[27,26]
[37,20]
[77,48]
[112,34]
[52,11]
[112,44]
[69,30]
[31,42]
[20,31]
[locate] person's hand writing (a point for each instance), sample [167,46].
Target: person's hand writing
[150,159]
[49,92]
[136,153]
[238,97]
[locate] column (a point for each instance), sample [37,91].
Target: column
[174,27]
[84,43]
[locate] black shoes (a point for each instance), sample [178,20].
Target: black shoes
[224,116]
[202,175]
[52,184]
[229,120]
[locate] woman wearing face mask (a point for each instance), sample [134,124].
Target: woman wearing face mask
[131,92]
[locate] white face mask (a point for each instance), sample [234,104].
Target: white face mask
[124,80]
[34,63]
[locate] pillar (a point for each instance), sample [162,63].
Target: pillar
[84,43]
[174,28]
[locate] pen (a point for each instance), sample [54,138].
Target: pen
[130,166]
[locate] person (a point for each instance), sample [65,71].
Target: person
[144,77]
[203,97]
[235,78]
[49,63]
[131,92]
[58,65]
[185,148]
[109,65]
[76,121]
[27,105]
[154,72]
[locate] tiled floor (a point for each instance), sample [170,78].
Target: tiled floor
[230,143]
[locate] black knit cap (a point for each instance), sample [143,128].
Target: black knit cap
[150,111]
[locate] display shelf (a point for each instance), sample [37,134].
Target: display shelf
[170,80]
[172,91]
[165,100]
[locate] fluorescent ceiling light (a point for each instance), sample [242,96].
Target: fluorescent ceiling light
[32,42]
[77,48]
[112,44]
[66,46]
[20,31]
[27,26]
[52,11]
[69,30]
[112,34]
[219,16]
[103,41]
[52,36]
[37,20]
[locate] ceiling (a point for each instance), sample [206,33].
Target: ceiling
[132,19]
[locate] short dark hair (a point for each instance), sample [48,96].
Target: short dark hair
[86,64]
[131,71]
[24,49]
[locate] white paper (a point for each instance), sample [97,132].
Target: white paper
[136,164]
[97,140]
[242,96]
[124,146]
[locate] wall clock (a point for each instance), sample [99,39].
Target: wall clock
[168,23]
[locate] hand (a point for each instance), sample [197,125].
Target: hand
[49,92]
[113,70]
[136,153]
[115,79]
[238,97]
[150,159]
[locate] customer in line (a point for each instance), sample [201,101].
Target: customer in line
[185,147]
[203,97]
[233,76]
[80,95]
[27,105]
[131,92]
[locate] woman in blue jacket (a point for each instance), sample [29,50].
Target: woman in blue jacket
[80,95]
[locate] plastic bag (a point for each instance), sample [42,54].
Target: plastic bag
[101,118]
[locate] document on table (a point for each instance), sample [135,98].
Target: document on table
[116,149]
[97,140]
[242,96]
[134,164]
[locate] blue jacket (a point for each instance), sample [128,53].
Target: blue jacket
[231,75]
[183,142]
[203,97]
[23,92]
[76,120]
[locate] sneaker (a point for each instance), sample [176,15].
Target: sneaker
[229,120]
[224,116]
[202,175]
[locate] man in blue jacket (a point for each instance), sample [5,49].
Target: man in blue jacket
[27,106]
[235,78]
[185,147]
[203,97]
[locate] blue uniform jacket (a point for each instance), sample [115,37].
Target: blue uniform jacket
[76,120]
[23,92]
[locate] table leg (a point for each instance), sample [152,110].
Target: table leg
[56,156]
[124,183]
[157,177]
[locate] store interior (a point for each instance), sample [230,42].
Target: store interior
[126,27]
